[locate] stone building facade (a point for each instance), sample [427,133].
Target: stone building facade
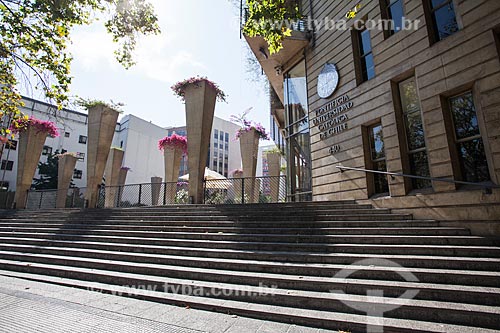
[420,97]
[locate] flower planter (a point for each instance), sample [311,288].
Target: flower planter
[155,190]
[249,146]
[274,171]
[66,168]
[113,168]
[101,129]
[30,148]
[200,100]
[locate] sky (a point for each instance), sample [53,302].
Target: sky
[199,37]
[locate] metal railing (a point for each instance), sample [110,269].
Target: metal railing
[488,188]
[226,191]
[245,190]
[47,199]
[142,195]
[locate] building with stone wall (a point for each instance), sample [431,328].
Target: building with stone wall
[419,97]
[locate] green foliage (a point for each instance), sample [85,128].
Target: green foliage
[274,150]
[90,103]
[48,173]
[34,35]
[267,19]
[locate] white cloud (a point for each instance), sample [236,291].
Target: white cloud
[155,64]
[92,47]
[158,57]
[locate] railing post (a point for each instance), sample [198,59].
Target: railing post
[140,193]
[165,192]
[204,191]
[242,191]
[39,204]
[118,196]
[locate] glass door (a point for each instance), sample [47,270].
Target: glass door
[297,134]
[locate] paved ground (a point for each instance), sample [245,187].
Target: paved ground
[27,306]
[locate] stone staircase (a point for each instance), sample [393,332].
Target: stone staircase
[321,264]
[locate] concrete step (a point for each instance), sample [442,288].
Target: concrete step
[192,258]
[375,249]
[382,273]
[51,227]
[191,213]
[350,216]
[279,205]
[311,318]
[410,309]
[221,240]
[230,224]
[237,209]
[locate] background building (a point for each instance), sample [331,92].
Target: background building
[137,137]
[224,153]
[72,127]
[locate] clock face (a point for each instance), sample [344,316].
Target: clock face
[328,81]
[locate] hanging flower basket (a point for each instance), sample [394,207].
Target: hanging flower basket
[173,142]
[180,87]
[22,124]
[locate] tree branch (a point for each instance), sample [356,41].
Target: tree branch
[32,68]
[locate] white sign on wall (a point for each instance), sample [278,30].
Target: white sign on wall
[328,81]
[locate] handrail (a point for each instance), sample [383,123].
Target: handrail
[487,187]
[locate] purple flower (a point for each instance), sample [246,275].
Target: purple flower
[238,172]
[247,126]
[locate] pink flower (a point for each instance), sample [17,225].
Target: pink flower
[47,126]
[172,142]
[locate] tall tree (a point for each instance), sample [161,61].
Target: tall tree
[34,35]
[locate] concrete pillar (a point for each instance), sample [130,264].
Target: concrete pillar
[256,190]
[113,167]
[155,190]
[122,177]
[274,171]
[101,128]
[172,157]
[238,186]
[200,106]
[66,168]
[29,149]
[249,147]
